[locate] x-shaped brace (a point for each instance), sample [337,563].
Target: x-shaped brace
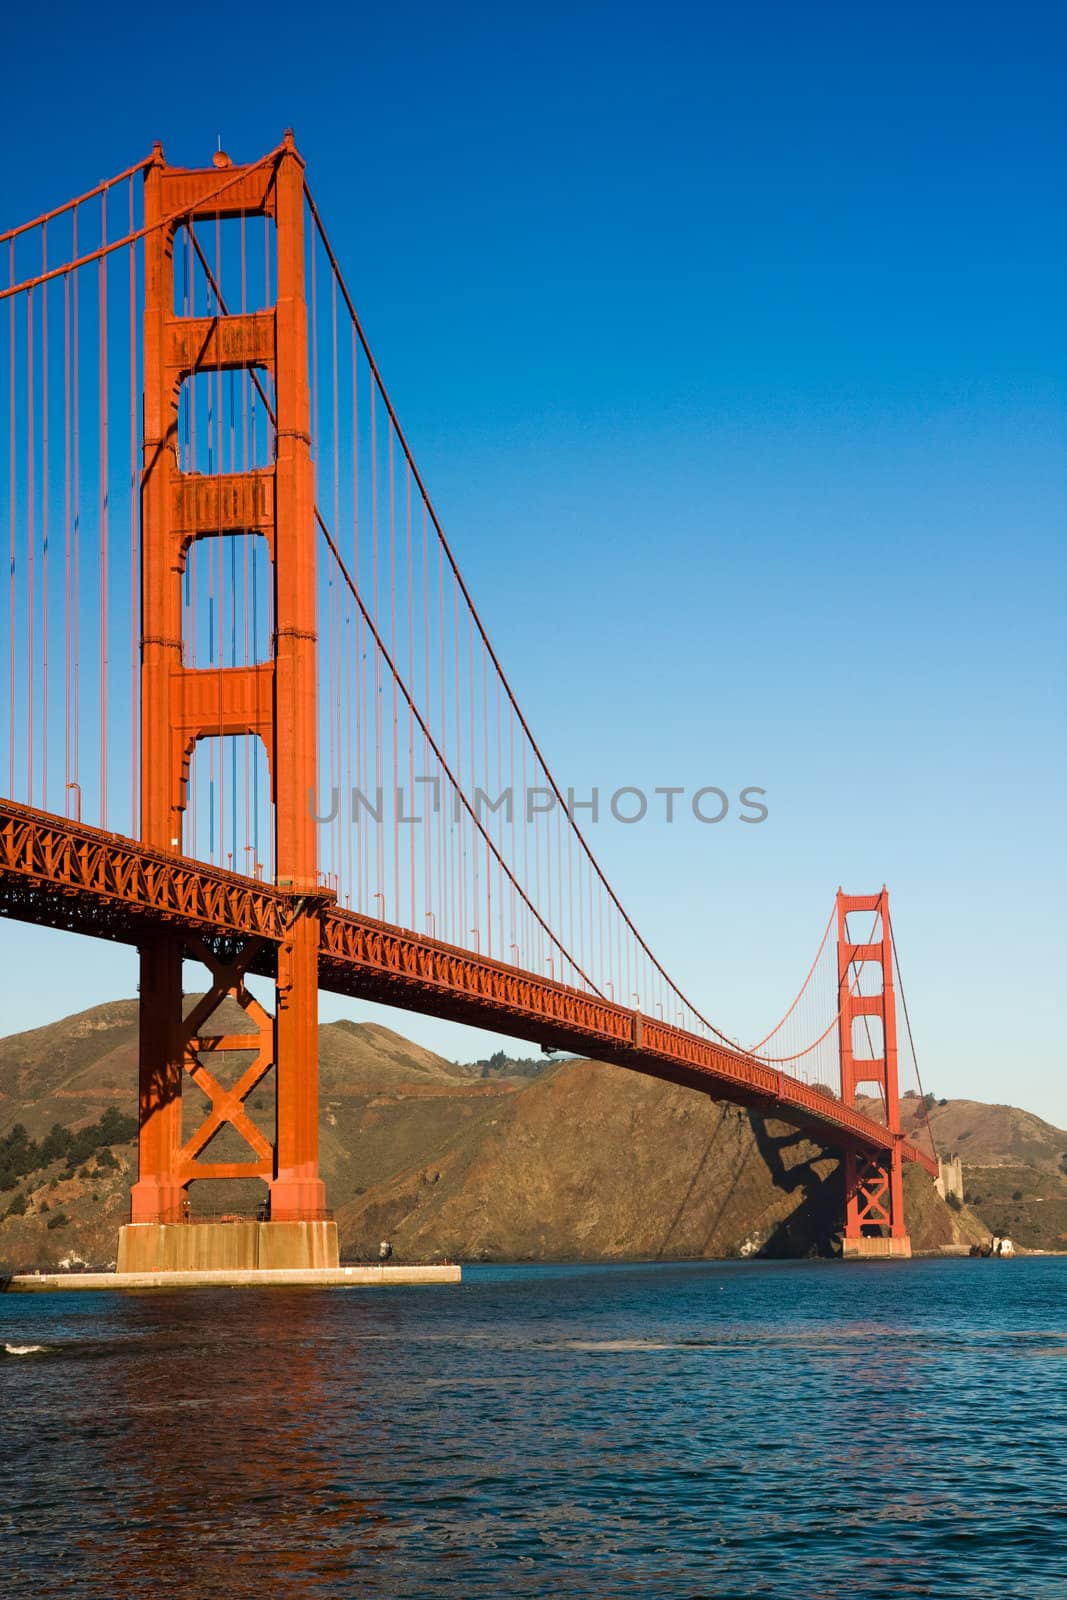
[227,1104]
[872,1192]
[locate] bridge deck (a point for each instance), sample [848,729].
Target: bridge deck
[64,874]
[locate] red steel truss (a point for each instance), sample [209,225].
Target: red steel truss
[66,875]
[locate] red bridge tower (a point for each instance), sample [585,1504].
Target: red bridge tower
[867,1031]
[274,700]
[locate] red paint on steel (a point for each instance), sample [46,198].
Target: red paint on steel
[874,1191]
[274,700]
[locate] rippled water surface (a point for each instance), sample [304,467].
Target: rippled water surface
[726,1430]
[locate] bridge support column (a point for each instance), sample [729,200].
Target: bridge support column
[867,1036]
[158,1193]
[874,1205]
[297,1192]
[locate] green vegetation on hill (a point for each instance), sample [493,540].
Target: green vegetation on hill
[20,1155]
[499,1065]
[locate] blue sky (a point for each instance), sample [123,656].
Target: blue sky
[730,342]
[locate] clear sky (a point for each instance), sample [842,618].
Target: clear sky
[730,341]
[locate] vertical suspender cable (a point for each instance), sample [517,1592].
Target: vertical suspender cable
[13,556]
[488,855]
[475,849]
[501,945]
[44,521]
[526,952]
[379,764]
[76,512]
[193,561]
[428,826]
[516,800]
[356,833]
[104,511]
[270,455]
[443,879]
[409,809]
[249,552]
[31,520]
[219,754]
[66,538]
[394,726]
[12,568]
[235,387]
[320,697]
[341,652]
[135,730]
[461,934]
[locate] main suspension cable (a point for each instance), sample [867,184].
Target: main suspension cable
[822,945]
[70,205]
[557,792]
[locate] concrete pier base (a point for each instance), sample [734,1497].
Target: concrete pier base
[155,1247]
[368,1277]
[877,1249]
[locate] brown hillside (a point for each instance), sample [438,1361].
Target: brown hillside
[580,1161]
[997,1136]
[1014,1169]
[70,1071]
[593,1162]
[367,1053]
[590,1161]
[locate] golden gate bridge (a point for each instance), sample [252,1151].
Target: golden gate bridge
[254,719]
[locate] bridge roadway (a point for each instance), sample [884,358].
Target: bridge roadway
[64,874]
